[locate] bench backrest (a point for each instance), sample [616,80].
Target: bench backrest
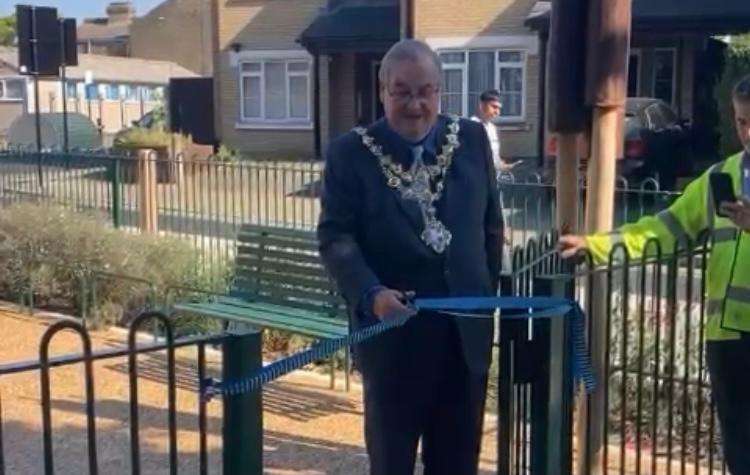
[282,266]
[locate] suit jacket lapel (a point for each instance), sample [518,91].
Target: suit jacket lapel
[440,140]
[408,207]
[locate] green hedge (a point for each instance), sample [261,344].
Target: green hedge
[50,249]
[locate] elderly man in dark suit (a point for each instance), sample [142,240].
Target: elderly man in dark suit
[410,205]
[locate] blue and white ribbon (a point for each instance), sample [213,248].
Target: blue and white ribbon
[460,307]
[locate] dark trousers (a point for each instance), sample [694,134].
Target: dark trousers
[417,386]
[729,367]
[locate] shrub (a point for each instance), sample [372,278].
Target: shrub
[139,137]
[50,249]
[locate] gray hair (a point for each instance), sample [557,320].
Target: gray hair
[409,50]
[741,91]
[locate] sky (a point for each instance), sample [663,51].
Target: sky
[76,8]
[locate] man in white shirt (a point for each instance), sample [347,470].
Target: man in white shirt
[488,110]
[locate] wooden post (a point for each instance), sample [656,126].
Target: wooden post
[608,44]
[148,212]
[567,114]
[601,170]
[567,183]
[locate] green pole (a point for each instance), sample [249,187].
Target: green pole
[116,195]
[243,413]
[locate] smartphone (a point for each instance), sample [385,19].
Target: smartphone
[722,190]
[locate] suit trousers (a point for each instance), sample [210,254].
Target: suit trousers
[422,390]
[729,367]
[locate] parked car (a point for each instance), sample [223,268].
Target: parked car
[657,143]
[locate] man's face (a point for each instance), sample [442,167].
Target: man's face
[489,110]
[411,98]
[742,122]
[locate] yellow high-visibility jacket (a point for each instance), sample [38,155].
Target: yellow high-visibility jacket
[692,214]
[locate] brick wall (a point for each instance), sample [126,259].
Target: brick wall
[258,25]
[177,31]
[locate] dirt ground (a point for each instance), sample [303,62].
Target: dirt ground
[308,429]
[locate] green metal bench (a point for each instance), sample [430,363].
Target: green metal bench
[280,283]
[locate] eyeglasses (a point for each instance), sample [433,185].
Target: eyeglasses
[406,96]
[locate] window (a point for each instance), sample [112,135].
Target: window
[466,74]
[112,92]
[275,91]
[92,92]
[129,93]
[660,117]
[12,89]
[664,74]
[71,90]
[634,73]
[146,93]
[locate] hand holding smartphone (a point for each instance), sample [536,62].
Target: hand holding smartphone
[722,189]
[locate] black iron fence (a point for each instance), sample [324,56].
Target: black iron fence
[241,450]
[659,415]
[206,201]
[529,204]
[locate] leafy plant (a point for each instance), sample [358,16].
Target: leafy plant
[50,251]
[8,30]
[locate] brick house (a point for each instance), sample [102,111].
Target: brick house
[108,35]
[292,74]
[178,31]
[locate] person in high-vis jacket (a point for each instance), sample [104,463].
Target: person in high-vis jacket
[728,276]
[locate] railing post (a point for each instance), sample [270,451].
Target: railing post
[116,194]
[243,413]
[552,401]
[535,368]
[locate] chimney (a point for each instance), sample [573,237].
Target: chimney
[120,12]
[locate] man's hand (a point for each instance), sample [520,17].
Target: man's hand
[738,213]
[388,303]
[506,166]
[570,245]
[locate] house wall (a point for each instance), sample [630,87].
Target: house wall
[488,24]
[177,31]
[8,113]
[258,25]
[343,105]
[105,48]
[9,109]
[114,115]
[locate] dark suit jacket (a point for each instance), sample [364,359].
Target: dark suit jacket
[369,235]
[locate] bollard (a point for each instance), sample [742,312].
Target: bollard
[535,390]
[243,414]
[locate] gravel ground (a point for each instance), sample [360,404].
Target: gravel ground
[308,429]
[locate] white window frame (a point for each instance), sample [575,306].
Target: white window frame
[515,64]
[5,81]
[262,121]
[73,85]
[673,50]
[464,68]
